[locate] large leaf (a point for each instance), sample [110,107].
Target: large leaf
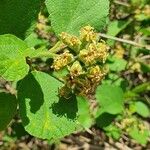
[18,16]
[84,116]
[8,107]
[12,58]
[70,15]
[110,98]
[43,113]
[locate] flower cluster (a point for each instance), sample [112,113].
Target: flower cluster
[84,59]
[129,123]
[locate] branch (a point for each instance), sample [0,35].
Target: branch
[122,3]
[124,41]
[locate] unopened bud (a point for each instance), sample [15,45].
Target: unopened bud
[71,41]
[62,60]
[96,74]
[76,69]
[87,57]
[87,34]
[102,49]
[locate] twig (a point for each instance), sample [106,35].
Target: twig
[124,41]
[145,57]
[122,3]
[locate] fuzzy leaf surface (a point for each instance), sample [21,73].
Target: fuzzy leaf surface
[18,17]
[110,98]
[13,65]
[70,15]
[44,114]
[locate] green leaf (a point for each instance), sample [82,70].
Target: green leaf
[104,120]
[18,17]
[140,136]
[12,58]
[141,88]
[84,116]
[115,27]
[142,109]
[60,74]
[110,98]
[117,64]
[113,131]
[34,41]
[145,67]
[69,16]
[44,114]
[8,107]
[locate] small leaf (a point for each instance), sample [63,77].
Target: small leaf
[117,64]
[115,27]
[69,16]
[142,109]
[13,65]
[110,98]
[44,114]
[141,88]
[140,136]
[18,17]
[84,116]
[8,107]
[113,131]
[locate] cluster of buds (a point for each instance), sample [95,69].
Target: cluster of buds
[62,60]
[127,123]
[96,74]
[143,13]
[84,58]
[119,51]
[130,122]
[95,52]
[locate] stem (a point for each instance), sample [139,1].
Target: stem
[124,41]
[45,54]
[57,47]
[122,3]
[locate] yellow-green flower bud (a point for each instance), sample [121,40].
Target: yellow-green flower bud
[95,74]
[71,41]
[87,57]
[87,34]
[95,52]
[102,50]
[62,60]
[76,69]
